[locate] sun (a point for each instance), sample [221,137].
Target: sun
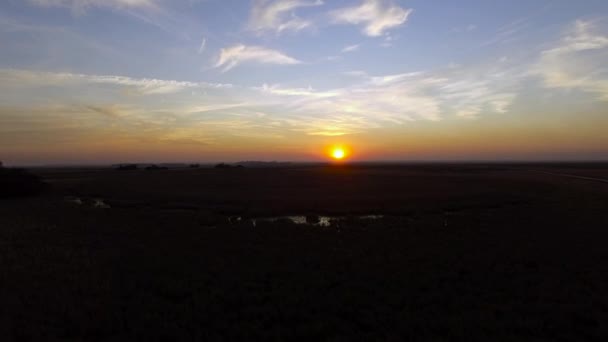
[338,153]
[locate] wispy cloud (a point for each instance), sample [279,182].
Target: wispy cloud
[110,111]
[279,16]
[214,107]
[399,98]
[369,102]
[332,58]
[157,13]
[376,16]
[351,48]
[467,28]
[239,54]
[578,61]
[304,92]
[355,73]
[471,93]
[46,43]
[202,47]
[331,126]
[509,32]
[80,6]
[144,86]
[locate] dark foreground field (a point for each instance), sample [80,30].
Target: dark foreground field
[461,252]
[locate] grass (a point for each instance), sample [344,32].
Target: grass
[522,257]
[19,183]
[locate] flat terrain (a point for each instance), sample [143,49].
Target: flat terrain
[499,252]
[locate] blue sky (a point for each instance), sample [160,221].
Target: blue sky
[108,80]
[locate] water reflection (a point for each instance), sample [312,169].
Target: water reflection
[324,221]
[74,200]
[311,220]
[100,204]
[97,203]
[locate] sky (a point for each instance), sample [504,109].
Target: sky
[111,81]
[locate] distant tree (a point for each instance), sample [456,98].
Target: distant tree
[195,166]
[127,167]
[1,165]
[228,166]
[156,168]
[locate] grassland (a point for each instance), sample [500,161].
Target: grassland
[498,252]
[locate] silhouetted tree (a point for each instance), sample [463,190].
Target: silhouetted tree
[228,166]
[156,168]
[127,167]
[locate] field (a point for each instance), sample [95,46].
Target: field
[416,252]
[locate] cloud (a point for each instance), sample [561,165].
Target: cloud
[377,103]
[331,126]
[472,92]
[144,86]
[391,79]
[469,112]
[81,6]
[150,12]
[388,41]
[351,48]
[355,73]
[239,54]
[508,33]
[376,16]
[303,92]
[222,111]
[214,107]
[111,111]
[202,47]
[278,15]
[332,58]
[398,98]
[577,61]
[468,28]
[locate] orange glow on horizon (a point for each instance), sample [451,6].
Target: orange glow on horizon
[338,153]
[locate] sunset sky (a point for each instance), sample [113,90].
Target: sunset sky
[109,81]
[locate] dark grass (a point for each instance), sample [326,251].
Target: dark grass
[464,253]
[19,183]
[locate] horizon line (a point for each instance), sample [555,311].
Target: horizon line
[328,162]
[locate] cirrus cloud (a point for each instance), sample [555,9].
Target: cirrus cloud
[577,61]
[239,54]
[80,6]
[274,15]
[144,86]
[376,16]
[351,48]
